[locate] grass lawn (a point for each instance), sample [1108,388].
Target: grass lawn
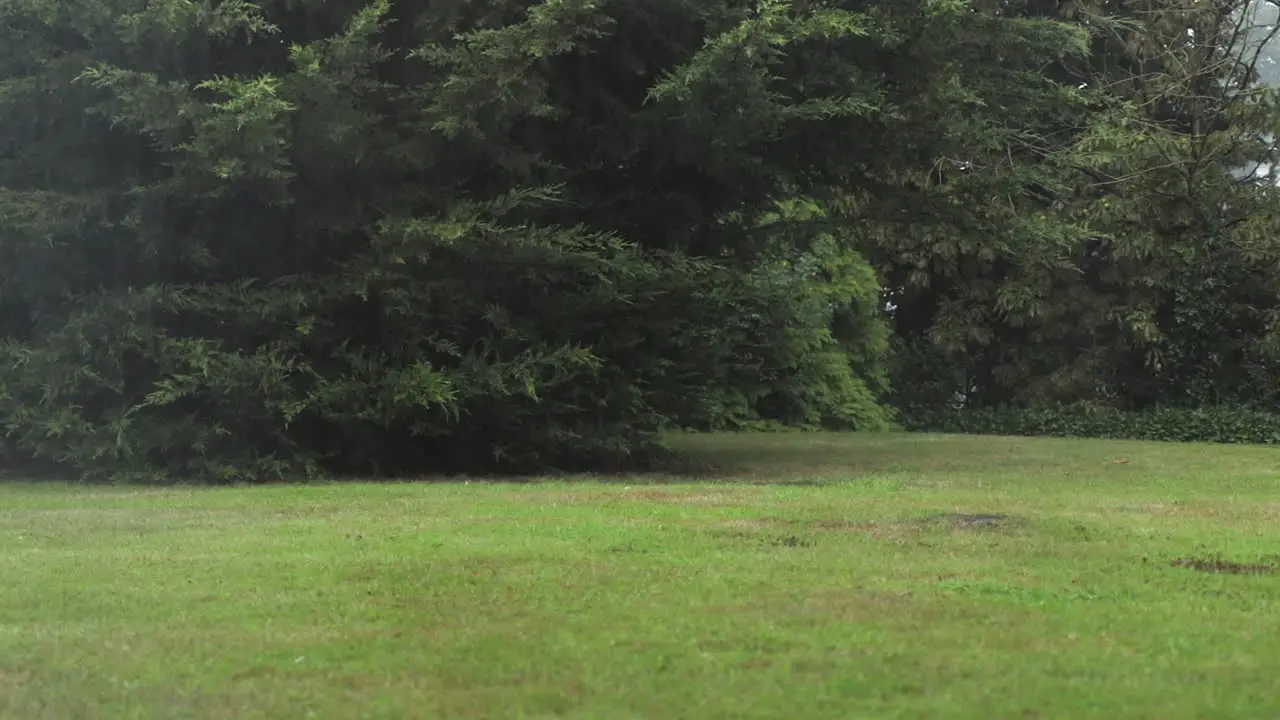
[820,576]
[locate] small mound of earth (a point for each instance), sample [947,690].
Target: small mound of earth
[974,520]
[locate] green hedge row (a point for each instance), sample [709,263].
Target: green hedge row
[1213,424]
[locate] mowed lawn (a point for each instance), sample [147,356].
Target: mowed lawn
[811,576]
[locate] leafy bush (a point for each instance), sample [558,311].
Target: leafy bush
[1217,424]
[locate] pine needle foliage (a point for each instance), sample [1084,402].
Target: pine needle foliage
[252,240]
[1137,266]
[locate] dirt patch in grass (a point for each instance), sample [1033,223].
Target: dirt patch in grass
[677,498]
[847,526]
[861,606]
[1182,510]
[792,541]
[975,521]
[880,528]
[954,521]
[749,524]
[1227,567]
[838,605]
[746,527]
[896,530]
[700,499]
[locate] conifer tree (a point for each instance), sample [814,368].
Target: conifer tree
[1164,291]
[244,240]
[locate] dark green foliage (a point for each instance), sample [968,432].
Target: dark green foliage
[1142,270]
[249,240]
[1215,424]
[244,240]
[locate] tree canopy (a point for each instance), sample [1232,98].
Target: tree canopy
[1163,292]
[245,240]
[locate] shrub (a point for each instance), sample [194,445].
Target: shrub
[1218,424]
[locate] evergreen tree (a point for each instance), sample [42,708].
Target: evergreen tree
[244,240]
[1163,291]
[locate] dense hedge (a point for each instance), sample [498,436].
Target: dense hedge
[1211,424]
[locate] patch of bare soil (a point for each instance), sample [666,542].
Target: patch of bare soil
[749,524]
[847,526]
[975,521]
[704,499]
[1178,509]
[1218,565]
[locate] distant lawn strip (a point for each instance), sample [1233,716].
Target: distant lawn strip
[800,576]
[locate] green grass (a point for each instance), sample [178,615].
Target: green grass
[809,582]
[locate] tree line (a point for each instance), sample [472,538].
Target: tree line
[244,240]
